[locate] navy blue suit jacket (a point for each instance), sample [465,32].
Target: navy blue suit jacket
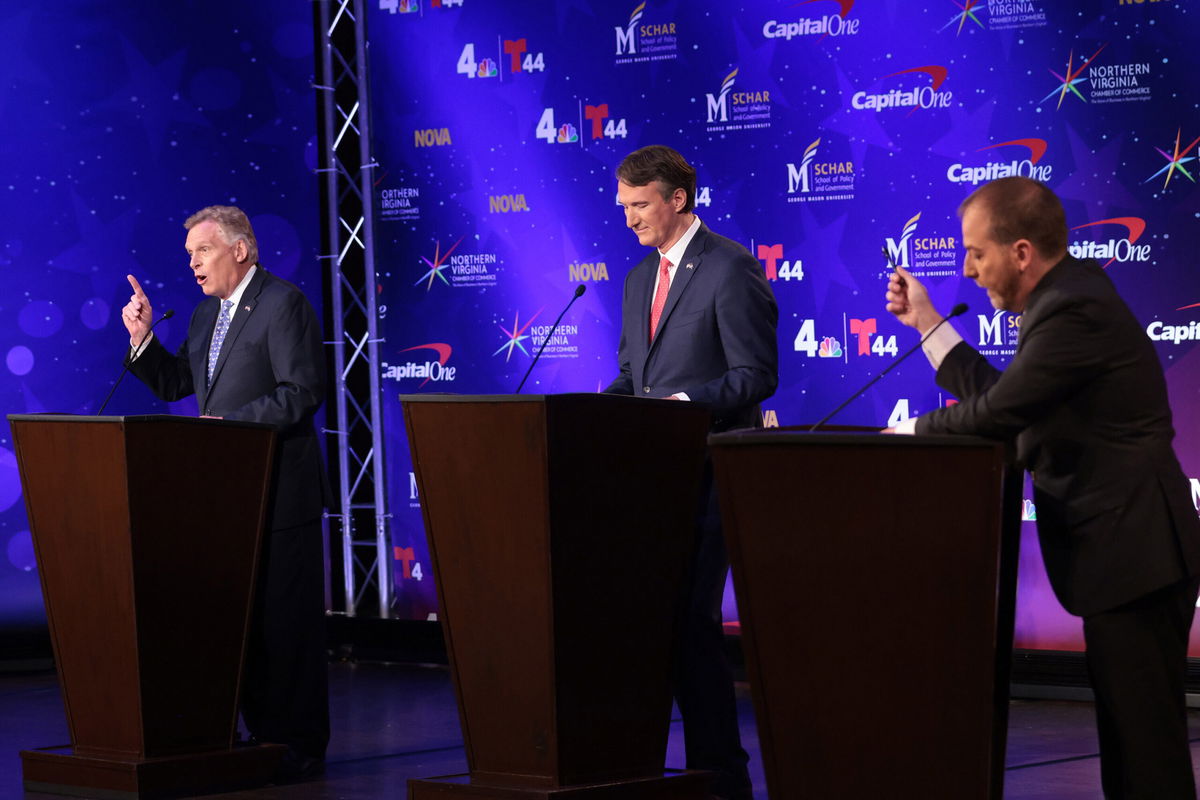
[270,370]
[1086,400]
[716,337]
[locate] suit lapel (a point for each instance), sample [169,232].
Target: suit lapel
[245,308]
[684,273]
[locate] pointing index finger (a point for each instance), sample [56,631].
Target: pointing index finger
[137,287]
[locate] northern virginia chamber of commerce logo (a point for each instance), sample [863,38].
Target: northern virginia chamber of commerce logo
[1087,81]
[1001,15]
[640,39]
[400,204]
[458,270]
[815,179]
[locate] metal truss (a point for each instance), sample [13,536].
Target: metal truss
[346,204]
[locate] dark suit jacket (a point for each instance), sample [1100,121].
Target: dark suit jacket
[1086,400]
[716,336]
[270,370]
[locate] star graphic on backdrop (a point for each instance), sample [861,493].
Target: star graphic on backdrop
[824,265]
[516,335]
[1175,160]
[104,249]
[854,123]
[437,264]
[966,128]
[571,255]
[1071,78]
[1097,187]
[967,12]
[154,97]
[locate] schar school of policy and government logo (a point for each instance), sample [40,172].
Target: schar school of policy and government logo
[818,27]
[814,179]
[430,370]
[459,270]
[728,110]
[998,333]
[924,256]
[926,97]
[641,39]
[1030,167]
[1176,160]
[1121,250]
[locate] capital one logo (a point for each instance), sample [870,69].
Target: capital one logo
[1122,250]
[430,370]
[801,178]
[626,43]
[1028,167]
[898,251]
[923,97]
[718,107]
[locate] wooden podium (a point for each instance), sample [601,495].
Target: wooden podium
[559,527]
[875,579]
[146,531]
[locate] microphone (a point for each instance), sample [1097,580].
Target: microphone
[128,361]
[958,310]
[579,290]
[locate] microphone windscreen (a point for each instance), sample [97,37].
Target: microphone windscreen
[580,289]
[958,310]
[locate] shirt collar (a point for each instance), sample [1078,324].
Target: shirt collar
[675,254]
[240,289]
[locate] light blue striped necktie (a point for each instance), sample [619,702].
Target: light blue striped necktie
[214,350]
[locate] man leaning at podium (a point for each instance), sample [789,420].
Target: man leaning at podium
[1086,401]
[698,323]
[253,353]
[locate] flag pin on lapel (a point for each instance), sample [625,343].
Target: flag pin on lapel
[247,308]
[688,265]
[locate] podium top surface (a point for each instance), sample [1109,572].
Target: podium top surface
[802,436]
[539,398]
[136,419]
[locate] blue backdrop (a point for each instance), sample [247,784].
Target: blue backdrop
[823,131]
[119,120]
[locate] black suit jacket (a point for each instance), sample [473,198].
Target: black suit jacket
[1086,400]
[270,370]
[716,336]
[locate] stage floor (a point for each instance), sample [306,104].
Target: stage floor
[391,723]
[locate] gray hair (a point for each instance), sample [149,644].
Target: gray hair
[233,224]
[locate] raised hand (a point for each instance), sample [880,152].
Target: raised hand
[137,313]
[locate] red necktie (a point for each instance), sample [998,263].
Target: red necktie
[660,295]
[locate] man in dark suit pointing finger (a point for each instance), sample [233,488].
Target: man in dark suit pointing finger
[253,353]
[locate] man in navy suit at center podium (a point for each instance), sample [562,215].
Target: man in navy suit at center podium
[698,323]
